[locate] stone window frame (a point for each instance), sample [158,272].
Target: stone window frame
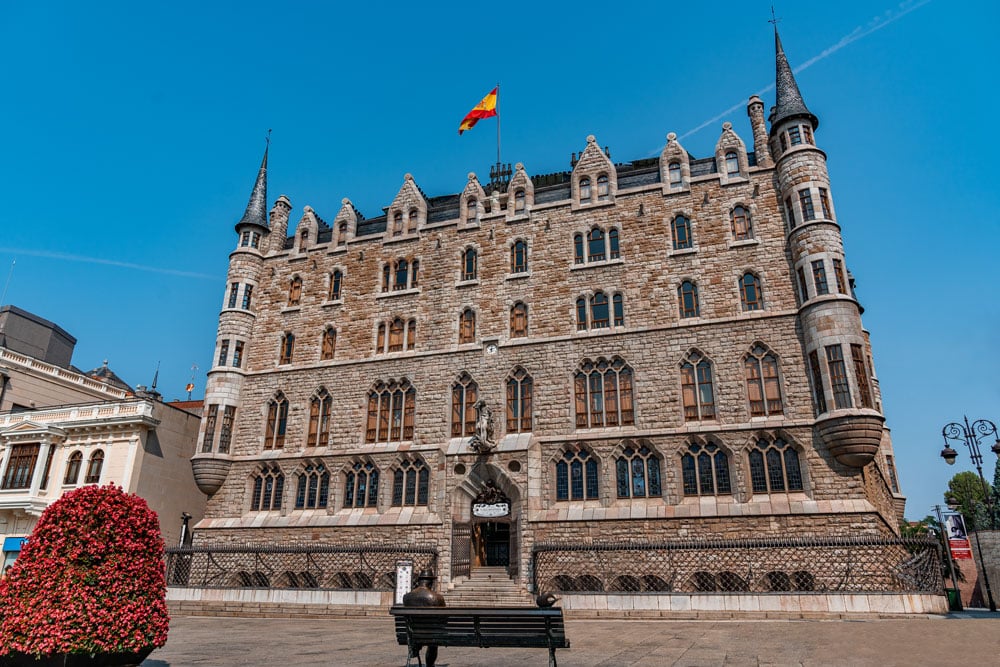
[758,285]
[303,475]
[585,410]
[320,400]
[672,225]
[700,410]
[591,481]
[464,275]
[366,496]
[525,268]
[464,395]
[384,330]
[519,389]
[276,421]
[257,488]
[746,233]
[329,334]
[614,301]
[295,289]
[389,274]
[74,465]
[619,454]
[405,468]
[694,447]
[95,466]
[519,306]
[464,212]
[583,236]
[681,305]
[335,287]
[790,445]
[467,329]
[772,407]
[382,408]
[286,348]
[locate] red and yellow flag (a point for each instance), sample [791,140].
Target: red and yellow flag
[487,108]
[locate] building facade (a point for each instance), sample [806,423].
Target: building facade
[661,350]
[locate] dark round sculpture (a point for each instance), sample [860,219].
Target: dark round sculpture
[546,600]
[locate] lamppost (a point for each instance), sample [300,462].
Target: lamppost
[971,435]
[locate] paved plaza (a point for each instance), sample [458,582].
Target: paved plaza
[970,639]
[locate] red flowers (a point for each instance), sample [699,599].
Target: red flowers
[90,579]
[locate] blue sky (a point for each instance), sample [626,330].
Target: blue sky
[133,132]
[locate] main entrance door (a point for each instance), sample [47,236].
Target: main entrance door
[491,543]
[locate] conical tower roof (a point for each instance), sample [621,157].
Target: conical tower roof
[788,102]
[256,213]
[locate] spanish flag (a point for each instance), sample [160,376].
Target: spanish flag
[487,108]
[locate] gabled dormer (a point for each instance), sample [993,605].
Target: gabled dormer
[675,166]
[408,211]
[731,156]
[306,232]
[594,179]
[472,202]
[345,225]
[520,193]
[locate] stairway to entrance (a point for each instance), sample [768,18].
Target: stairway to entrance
[487,587]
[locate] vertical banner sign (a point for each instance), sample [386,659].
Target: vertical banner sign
[404,579]
[958,538]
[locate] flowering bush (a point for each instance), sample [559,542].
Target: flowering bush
[90,579]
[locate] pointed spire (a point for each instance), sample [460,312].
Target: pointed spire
[256,213]
[788,101]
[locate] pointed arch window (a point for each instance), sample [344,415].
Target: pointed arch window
[313,488]
[614,251]
[295,291]
[576,475]
[750,293]
[287,348]
[396,335]
[411,334]
[742,229]
[402,273]
[603,188]
[410,483]
[519,320]
[328,346]
[467,327]
[519,201]
[268,487]
[763,383]
[464,394]
[277,422]
[391,409]
[674,171]
[73,468]
[469,264]
[342,233]
[519,394]
[599,313]
[697,390]
[595,245]
[618,303]
[412,219]
[581,314]
[397,223]
[94,468]
[471,211]
[320,407]
[303,240]
[519,256]
[637,473]
[705,470]
[585,194]
[732,164]
[680,231]
[604,394]
[361,485]
[336,280]
[578,257]
[687,298]
[774,466]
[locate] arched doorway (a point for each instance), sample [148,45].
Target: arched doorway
[485,523]
[491,527]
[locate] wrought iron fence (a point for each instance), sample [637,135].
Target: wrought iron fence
[848,565]
[367,567]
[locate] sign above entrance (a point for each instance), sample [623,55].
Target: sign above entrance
[490,510]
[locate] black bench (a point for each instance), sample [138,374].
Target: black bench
[480,626]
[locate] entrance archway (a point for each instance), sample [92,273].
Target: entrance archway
[485,523]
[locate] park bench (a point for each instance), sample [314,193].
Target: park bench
[509,627]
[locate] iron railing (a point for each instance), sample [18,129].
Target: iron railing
[848,565]
[364,567]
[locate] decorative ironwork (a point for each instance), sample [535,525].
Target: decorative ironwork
[461,550]
[846,565]
[367,567]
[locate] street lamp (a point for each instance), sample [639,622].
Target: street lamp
[971,435]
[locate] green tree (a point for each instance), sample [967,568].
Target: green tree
[966,491]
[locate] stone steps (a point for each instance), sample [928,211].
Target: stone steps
[487,587]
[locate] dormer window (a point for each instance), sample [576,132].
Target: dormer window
[303,240]
[740,221]
[471,211]
[342,233]
[519,202]
[585,190]
[412,219]
[732,164]
[397,224]
[603,188]
[674,170]
[469,264]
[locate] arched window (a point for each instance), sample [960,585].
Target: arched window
[336,279]
[576,475]
[599,315]
[73,468]
[585,190]
[295,291]
[361,485]
[471,211]
[750,293]
[396,335]
[774,466]
[705,470]
[469,264]
[410,483]
[313,490]
[603,188]
[412,219]
[581,314]
[277,422]
[303,240]
[732,164]
[763,385]
[268,486]
[380,339]
[637,472]
[391,408]
[519,256]
[342,233]
[619,309]
[674,170]
[687,298]
[577,249]
[414,273]
[386,277]
[519,201]
[411,334]
[320,407]
[697,389]
[329,344]
[614,251]
[604,394]
[287,348]
[519,389]
[464,394]
[680,231]
[595,245]
[519,320]
[402,273]
[467,327]
[740,219]
[397,223]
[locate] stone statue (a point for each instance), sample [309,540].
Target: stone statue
[484,439]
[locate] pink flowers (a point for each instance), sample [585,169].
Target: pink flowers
[90,579]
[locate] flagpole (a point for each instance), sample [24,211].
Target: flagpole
[498,124]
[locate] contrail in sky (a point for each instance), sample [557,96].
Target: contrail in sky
[108,262]
[877,23]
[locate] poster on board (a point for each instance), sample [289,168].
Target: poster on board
[958,537]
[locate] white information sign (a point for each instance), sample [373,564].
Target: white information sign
[404,579]
[490,510]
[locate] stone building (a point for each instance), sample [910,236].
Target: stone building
[660,350]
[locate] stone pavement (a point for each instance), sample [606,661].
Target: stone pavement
[963,639]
